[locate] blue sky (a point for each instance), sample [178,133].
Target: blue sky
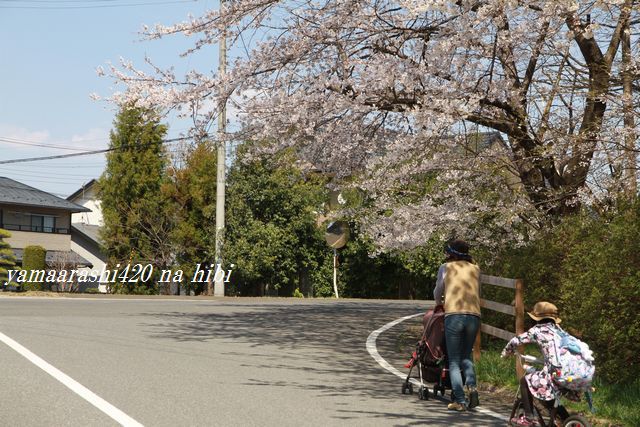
[48,59]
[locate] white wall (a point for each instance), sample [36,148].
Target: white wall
[98,264]
[88,199]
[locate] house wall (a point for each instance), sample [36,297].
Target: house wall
[21,215]
[87,249]
[88,199]
[84,247]
[49,241]
[12,216]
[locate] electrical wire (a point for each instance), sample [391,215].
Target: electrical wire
[61,156]
[37,144]
[87,153]
[5,5]
[58,1]
[84,165]
[26,142]
[32,174]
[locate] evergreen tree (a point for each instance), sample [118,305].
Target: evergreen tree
[193,191]
[137,219]
[7,260]
[272,235]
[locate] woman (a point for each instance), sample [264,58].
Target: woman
[538,384]
[458,288]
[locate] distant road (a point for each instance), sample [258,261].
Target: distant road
[218,362]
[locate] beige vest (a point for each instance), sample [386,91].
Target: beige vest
[462,288]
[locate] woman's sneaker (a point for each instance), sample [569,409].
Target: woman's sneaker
[523,421]
[455,406]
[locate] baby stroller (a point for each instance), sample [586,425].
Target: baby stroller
[430,356]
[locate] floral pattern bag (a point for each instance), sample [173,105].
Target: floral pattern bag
[576,368]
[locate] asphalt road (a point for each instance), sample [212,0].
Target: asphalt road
[226,362]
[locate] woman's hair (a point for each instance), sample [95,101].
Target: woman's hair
[545,320]
[457,250]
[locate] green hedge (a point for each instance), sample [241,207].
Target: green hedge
[589,266]
[601,291]
[34,258]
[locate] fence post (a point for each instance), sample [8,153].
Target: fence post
[519,322]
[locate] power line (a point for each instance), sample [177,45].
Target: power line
[47,181]
[58,1]
[37,144]
[32,174]
[92,6]
[84,165]
[86,153]
[61,156]
[52,146]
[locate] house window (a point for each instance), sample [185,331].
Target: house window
[43,223]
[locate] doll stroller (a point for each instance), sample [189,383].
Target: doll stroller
[430,357]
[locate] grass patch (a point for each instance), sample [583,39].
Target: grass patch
[618,402]
[492,369]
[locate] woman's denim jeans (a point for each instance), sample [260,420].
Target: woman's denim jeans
[460,332]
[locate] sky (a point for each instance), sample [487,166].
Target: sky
[49,52]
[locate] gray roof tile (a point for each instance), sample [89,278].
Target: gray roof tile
[15,193]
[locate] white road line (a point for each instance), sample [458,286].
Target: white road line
[72,384]
[373,351]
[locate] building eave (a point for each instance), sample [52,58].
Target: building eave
[83,189]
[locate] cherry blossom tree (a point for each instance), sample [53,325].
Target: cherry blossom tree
[388,95]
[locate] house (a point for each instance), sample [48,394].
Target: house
[35,217]
[85,227]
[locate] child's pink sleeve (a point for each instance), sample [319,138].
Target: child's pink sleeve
[523,338]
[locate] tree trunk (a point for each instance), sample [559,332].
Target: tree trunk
[630,172]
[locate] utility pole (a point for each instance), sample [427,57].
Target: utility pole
[218,289]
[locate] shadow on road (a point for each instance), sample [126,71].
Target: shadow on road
[320,347]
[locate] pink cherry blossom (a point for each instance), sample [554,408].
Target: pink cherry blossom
[393,97]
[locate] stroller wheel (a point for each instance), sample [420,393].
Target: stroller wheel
[407,388]
[423,393]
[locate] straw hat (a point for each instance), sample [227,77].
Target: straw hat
[544,310]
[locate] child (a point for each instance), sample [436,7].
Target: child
[538,384]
